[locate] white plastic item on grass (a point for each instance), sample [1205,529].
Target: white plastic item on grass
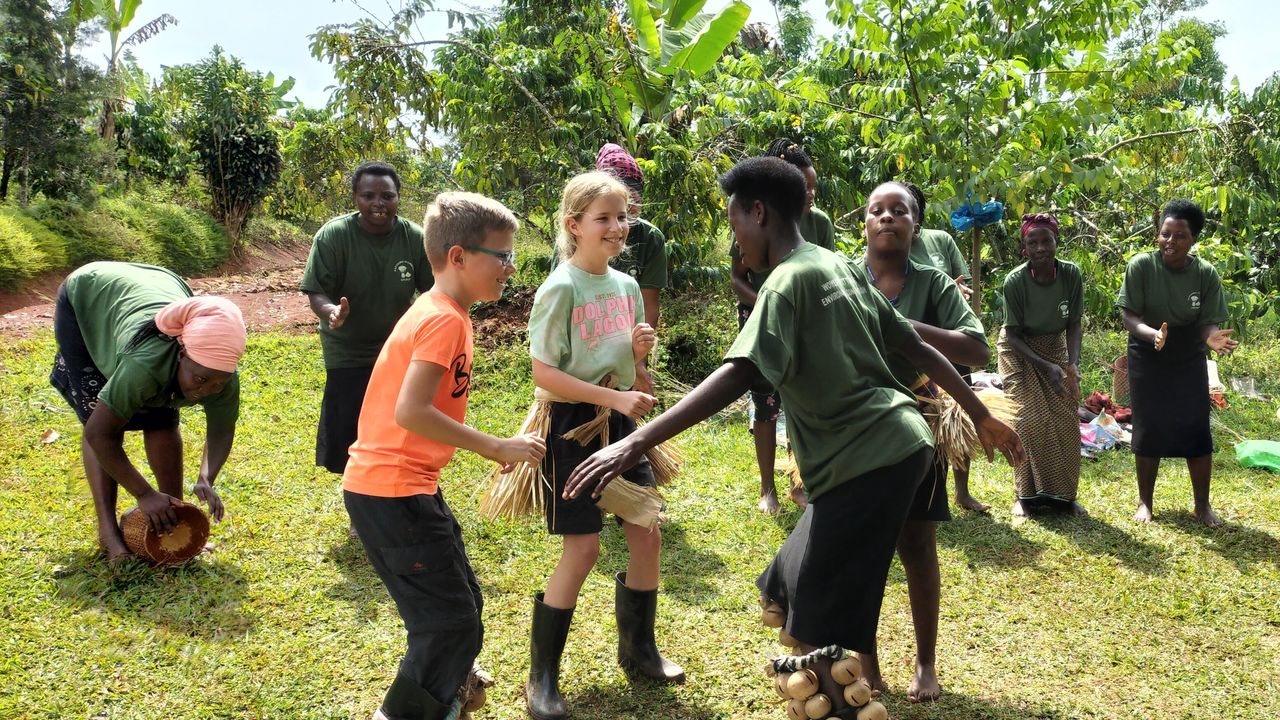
[1214,382]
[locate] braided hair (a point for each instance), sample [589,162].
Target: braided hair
[789,151]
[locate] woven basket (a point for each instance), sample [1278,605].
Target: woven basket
[1120,380]
[180,544]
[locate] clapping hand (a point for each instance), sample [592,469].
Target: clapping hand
[338,314]
[1220,342]
[1162,335]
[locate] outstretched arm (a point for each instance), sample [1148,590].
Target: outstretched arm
[954,345]
[722,387]
[417,413]
[991,432]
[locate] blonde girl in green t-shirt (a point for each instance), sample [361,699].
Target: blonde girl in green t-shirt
[587,336]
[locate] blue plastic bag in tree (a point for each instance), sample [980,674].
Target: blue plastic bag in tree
[1263,454]
[977,214]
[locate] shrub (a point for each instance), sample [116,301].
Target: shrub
[697,329]
[20,256]
[53,246]
[185,240]
[88,235]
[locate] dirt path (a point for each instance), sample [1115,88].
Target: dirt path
[264,284]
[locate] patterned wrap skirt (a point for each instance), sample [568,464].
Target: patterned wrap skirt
[1046,422]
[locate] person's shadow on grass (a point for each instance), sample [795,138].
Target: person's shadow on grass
[1244,546]
[360,586]
[960,705]
[638,700]
[988,541]
[202,597]
[1098,537]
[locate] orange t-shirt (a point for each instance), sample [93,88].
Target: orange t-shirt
[387,460]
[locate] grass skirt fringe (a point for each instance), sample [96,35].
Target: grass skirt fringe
[522,491]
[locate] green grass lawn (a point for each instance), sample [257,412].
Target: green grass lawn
[1060,618]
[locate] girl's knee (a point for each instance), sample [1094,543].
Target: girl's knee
[644,542]
[581,551]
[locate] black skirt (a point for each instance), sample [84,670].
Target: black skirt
[1169,392]
[830,573]
[344,390]
[581,515]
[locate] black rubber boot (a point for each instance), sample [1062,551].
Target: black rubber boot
[411,701]
[549,633]
[637,651]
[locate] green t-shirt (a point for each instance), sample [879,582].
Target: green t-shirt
[581,324]
[816,334]
[1189,296]
[645,257]
[1043,308]
[930,297]
[936,248]
[815,227]
[378,274]
[112,300]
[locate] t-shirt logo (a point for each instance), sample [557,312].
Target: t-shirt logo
[938,261]
[1063,308]
[461,378]
[1194,300]
[404,270]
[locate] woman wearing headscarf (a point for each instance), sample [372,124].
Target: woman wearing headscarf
[1173,305]
[1039,357]
[134,345]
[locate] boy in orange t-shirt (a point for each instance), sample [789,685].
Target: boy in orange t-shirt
[410,425]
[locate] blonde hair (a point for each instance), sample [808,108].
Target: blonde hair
[464,219]
[579,193]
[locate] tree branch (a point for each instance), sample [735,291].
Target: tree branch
[1129,141]
[505,72]
[911,75]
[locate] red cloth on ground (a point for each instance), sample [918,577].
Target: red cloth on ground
[1100,402]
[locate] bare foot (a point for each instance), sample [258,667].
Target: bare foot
[112,544]
[1018,509]
[871,673]
[924,686]
[799,497]
[970,503]
[1078,510]
[1207,517]
[1143,514]
[769,504]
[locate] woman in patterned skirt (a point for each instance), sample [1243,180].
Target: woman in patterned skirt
[1039,357]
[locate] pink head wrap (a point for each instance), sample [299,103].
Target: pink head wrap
[1031,221]
[619,163]
[210,328]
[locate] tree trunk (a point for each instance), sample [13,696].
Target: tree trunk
[24,179]
[975,272]
[6,170]
[108,121]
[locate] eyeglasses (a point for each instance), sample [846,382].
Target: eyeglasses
[507,258]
